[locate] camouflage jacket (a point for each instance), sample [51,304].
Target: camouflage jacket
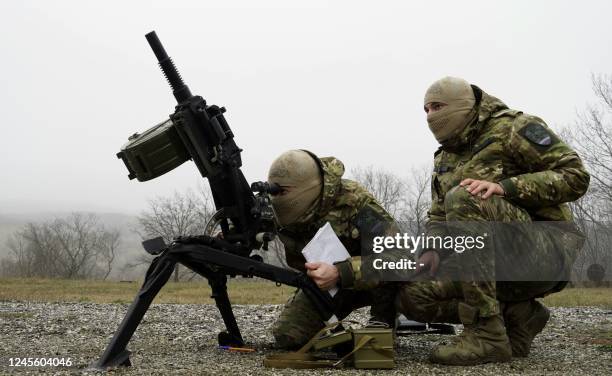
[352,212]
[537,170]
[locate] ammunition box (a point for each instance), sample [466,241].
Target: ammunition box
[378,352]
[154,152]
[332,339]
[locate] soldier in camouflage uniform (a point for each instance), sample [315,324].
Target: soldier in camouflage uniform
[313,193]
[495,164]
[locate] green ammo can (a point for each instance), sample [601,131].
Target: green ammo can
[377,350]
[154,152]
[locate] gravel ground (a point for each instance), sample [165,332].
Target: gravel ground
[181,339]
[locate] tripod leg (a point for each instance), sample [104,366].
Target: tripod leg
[116,353]
[218,284]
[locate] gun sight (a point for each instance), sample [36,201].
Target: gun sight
[265,187]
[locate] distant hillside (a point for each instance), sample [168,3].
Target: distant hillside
[130,241]
[131,247]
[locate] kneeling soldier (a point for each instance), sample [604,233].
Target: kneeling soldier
[498,165]
[313,193]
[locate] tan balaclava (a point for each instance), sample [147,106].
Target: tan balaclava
[448,123]
[299,176]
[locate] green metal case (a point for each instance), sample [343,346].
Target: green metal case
[154,152]
[332,339]
[378,352]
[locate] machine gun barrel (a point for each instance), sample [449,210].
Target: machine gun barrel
[179,89]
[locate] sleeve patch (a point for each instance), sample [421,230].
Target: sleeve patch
[537,134]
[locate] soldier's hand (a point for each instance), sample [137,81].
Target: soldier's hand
[324,275]
[430,261]
[484,189]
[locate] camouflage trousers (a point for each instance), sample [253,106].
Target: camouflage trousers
[531,253]
[299,320]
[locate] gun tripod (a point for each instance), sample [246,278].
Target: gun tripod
[213,259]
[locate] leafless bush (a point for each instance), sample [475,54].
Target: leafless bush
[387,187]
[184,213]
[417,200]
[406,199]
[73,247]
[591,136]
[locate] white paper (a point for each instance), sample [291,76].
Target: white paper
[325,247]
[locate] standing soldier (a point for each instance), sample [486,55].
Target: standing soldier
[495,164]
[313,193]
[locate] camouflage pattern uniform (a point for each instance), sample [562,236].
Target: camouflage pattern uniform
[539,174]
[355,216]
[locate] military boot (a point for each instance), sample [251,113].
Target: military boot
[483,340]
[383,311]
[524,320]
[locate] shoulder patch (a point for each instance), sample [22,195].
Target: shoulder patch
[537,134]
[442,169]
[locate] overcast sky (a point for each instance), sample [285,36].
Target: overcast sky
[343,78]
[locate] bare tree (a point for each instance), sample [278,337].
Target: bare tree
[73,247]
[591,136]
[179,215]
[108,244]
[596,250]
[417,200]
[406,199]
[76,244]
[388,188]
[21,260]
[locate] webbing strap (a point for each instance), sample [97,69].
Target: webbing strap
[301,359]
[314,338]
[362,342]
[296,360]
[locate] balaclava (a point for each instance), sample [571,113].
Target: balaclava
[448,123]
[299,174]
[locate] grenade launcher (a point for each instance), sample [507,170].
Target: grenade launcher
[199,132]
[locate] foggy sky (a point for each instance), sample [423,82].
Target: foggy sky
[342,78]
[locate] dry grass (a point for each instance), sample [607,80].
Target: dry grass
[580,297]
[241,291]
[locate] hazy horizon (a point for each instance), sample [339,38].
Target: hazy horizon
[345,78]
